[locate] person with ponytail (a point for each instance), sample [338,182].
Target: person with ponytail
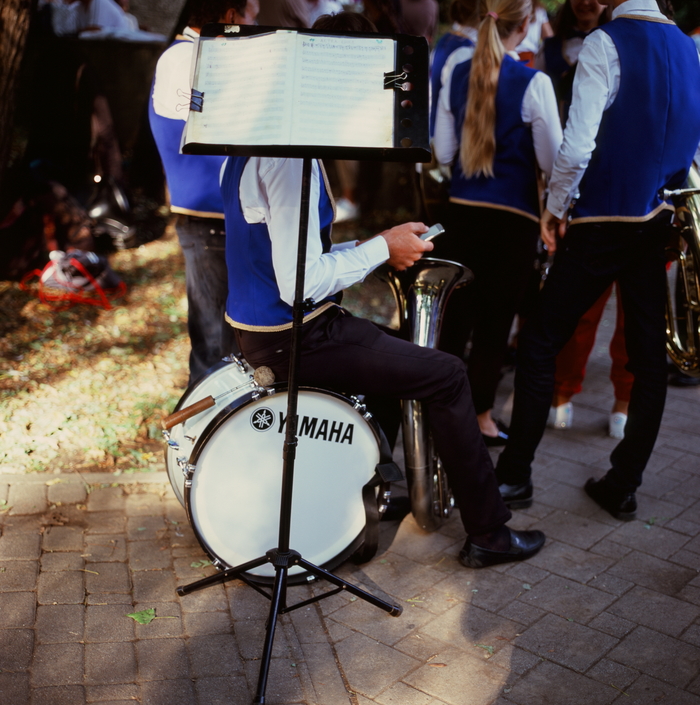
[497,124]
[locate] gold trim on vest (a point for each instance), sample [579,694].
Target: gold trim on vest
[197,214]
[496,206]
[623,218]
[285,326]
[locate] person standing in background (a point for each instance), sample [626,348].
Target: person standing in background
[558,57]
[420,18]
[497,124]
[616,158]
[193,182]
[462,34]
[284,13]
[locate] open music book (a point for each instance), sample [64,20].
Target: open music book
[292,88]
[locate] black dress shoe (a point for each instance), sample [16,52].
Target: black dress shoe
[621,506]
[679,379]
[517,496]
[396,509]
[498,440]
[523,545]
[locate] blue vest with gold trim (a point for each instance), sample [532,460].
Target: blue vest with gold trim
[648,136]
[514,184]
[254,301]
[193,179]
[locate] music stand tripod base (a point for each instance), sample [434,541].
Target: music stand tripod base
[283,557]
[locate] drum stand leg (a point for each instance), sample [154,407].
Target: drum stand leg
[282,557]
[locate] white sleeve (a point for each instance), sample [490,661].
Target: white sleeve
[539,110]
[279,203]
[445,142]
[64,18]
[171,88]
[595,87]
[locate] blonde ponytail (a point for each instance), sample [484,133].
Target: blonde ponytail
[499,19]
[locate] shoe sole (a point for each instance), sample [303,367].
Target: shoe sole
[625,516]
[518,503]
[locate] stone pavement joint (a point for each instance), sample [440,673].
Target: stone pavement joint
[607,613]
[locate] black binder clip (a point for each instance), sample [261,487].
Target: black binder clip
[196,100]
[395,80]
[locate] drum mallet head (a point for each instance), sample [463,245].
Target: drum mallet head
[264,376]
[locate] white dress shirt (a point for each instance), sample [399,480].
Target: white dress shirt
[596,85]
[270,192]
[539,110]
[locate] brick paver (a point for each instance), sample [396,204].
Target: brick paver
[608,612]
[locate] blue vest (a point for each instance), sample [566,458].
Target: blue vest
[648,136]
[254,301]
[514,184]
[193,179]
[446,45]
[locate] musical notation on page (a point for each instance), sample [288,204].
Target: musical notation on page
[286,88]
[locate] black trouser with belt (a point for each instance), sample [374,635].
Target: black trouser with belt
[354,356]
[203,242]
[589,258]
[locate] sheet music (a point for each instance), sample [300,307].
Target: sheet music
[247,85]
[289,88]
[347,105]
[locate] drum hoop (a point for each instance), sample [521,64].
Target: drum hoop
[214,368]
[216,423]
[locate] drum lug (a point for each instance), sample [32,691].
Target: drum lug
[358,405]
[237,360]
[187,471]
[219,565]
[191,439]
[174,445]
[256,394]
[166,435]
[367,416]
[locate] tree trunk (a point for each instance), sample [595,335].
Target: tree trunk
[14,25]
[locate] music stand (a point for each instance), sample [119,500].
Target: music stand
[410,138]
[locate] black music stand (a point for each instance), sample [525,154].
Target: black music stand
[410,145]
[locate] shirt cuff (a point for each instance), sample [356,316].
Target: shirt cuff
[556,206]
[376,251]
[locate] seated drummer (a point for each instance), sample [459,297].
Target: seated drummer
[344,353]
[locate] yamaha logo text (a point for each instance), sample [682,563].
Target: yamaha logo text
[321,429]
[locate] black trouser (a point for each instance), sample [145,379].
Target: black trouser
[352,355]
[203,245]
[500,248]
[587,261]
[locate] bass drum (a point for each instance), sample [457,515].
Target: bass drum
[234,490]
[229,382]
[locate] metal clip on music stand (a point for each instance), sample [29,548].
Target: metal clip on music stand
[283,557]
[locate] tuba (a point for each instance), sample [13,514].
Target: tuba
[421,293]
[683,299]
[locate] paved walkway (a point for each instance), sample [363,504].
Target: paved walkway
[608,612]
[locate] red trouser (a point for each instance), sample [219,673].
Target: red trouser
[571,361]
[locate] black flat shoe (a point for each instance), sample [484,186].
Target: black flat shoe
[623,507]
[517,496]
[500,439]
[523,545]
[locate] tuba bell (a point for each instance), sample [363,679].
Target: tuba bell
[421,293]
[683,293]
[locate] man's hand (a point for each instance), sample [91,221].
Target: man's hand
[550,226]
[405,247]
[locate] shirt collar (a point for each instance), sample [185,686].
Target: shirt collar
[190,33]
[639,7]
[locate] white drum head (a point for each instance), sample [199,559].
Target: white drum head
[229,382]
[234,501]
